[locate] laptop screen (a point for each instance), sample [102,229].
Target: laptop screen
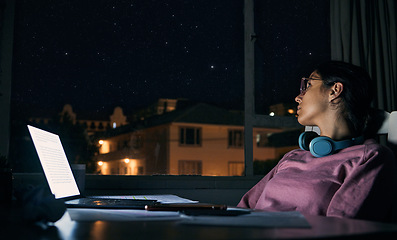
[54,162]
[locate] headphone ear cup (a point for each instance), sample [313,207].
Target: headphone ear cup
[305,138]
[322,146]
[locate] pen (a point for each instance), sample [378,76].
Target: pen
[184,206]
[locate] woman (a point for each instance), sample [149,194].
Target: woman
[355,180]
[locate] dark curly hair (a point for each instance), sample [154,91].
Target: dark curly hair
[357,95]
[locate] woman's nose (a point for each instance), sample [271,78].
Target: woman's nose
[298,98]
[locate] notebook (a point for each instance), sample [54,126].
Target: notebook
[60,177]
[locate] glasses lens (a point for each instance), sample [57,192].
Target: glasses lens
[303,84]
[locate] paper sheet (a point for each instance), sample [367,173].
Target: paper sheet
[254,219]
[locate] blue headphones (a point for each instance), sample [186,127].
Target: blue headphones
[320,146]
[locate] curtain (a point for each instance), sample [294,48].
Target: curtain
[363,32]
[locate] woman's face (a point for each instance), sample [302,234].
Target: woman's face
[312,103]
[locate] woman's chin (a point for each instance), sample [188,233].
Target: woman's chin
[299,118]
[303,122]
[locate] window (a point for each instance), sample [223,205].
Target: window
[236,168]
[190,136]
[105,56]
[236,138]
[189,167]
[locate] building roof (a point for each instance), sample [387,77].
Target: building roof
[198,113]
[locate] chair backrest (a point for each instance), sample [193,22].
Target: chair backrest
[389,127]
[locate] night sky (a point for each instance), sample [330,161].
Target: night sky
[100,54]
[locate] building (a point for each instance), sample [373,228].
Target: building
[93,123]
[195,140]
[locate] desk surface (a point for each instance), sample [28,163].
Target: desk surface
[321,227]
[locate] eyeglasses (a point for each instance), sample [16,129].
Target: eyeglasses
[305,84]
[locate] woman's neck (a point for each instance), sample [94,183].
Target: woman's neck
[336,128]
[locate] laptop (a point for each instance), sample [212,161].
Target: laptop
[61,180]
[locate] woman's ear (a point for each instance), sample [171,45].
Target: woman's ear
[336,91]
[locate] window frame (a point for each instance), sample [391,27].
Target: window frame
[232,138]
[197,138]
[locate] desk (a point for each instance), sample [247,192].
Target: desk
[65,228]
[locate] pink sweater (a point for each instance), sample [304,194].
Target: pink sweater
[356,182]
